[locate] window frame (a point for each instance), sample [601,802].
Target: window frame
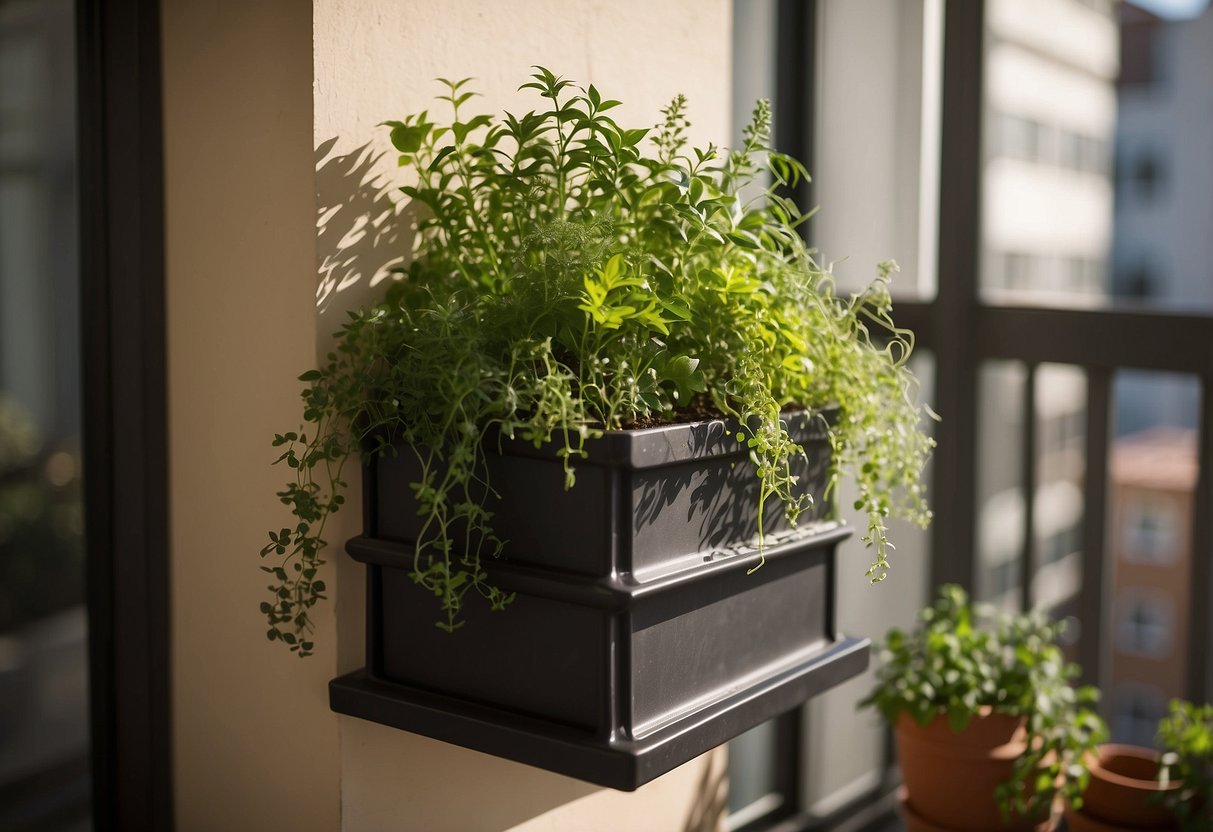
[125,414]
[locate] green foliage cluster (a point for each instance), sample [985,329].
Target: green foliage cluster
[573,276]
[963,659]
[1186,736]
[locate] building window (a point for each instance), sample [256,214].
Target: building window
[1151,530]
[1060,543]
[1147,176]
[1021,137]
[1018,137]
[1145,625]
[1095,156]
[1137,711]
[1104,7]
[1086,275]
[1138,281]
[1019,269]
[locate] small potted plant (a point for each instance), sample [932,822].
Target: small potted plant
[610,385]
[1136,788]
[1127,788]
[989,727]
[1186,736]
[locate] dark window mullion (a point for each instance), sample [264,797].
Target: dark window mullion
[1200,686]
[125,426]
[795,101]
[1095,501]
[952,317]
[789,766]
[1027,469]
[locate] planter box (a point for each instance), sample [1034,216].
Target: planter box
[637,640]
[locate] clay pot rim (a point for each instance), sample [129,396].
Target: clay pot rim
[1112,749]
[985,712]
[989,736]
[986,716]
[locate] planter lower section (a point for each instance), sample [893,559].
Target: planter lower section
[641,634]
[616,762]
[605,679]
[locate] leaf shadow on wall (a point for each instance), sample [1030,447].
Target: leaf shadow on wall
[361,233]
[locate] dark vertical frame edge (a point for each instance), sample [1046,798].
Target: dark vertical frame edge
[952,318]
[1027,483]
[1200,625]
[796,89]
[125,426]
[1092,638]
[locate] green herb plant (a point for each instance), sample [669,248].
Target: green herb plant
[1186,737]
[964,660]
[572,276]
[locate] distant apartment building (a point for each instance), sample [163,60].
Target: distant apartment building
[1163,247]
[1162,253]
[1162,256]
[1047,218]
[1152,478]
[1047,206]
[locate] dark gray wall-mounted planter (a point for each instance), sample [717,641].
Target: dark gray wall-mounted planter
[637,640]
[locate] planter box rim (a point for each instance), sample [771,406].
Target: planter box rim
[669,444]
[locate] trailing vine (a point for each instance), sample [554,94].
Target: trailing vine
[573,276]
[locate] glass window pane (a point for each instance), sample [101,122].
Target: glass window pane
[1000,501]
[1057,507]
[875,171]
[753,788]
[1151,479]
[1058,442]
[844,749]
[44,740]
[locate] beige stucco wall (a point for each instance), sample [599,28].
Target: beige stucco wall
[255,746]
[254,92]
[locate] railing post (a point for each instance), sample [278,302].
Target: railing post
[1200,686]
[953,316]
[1091,653]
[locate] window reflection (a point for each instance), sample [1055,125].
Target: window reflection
[44,773]
[1164,182]
[1152,479]
[1050,127]
[1098,185]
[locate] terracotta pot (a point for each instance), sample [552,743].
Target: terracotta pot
[916,823]
[1122,793]
[1081,822]
[950,778]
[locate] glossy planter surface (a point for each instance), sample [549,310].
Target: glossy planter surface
[637,640]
